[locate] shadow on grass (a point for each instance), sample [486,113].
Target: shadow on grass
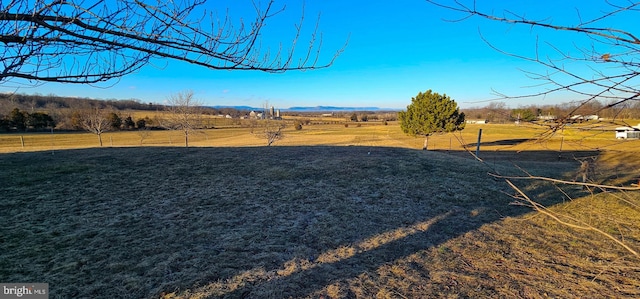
[232,222]
[520,156]
[304,277]
[503,142]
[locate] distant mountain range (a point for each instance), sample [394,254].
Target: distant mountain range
[310,109]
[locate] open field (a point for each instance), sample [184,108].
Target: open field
[330,212]
[495,137]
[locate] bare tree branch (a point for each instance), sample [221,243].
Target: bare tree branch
[604,187]
[569,221]
[611,54]
[90,41]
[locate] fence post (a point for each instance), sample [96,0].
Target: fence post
[52,141]
[478,146]
[22,140]
[561,143]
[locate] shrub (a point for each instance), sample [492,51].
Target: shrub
[141,123]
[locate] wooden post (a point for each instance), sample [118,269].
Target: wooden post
[22,140]
[561,143]
[478,146]
[52,141]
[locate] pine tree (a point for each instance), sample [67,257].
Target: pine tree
[431,113]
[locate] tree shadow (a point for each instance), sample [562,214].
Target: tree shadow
[457,221]
[533,155]
[503,142]
[234,222]
[352,260]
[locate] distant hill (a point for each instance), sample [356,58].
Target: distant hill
[335,109]
[310,109]
[24,101]
[240,108]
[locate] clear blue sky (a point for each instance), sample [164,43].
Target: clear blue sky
[396,49]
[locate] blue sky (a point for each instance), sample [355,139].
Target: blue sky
[395,50]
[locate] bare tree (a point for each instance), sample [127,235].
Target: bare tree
[270,127]
[143,133]
[610,57]
[272,131]
[184,114]
[96,121]
[90,41]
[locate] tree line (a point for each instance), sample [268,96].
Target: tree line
[21,120]
[21,112]
[499,112]
[39,101]
[76,119]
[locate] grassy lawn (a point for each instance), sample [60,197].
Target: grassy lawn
[330,212]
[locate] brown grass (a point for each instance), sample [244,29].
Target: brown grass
[495,137]
[362,221]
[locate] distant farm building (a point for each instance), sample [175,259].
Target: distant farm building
[582,118]
[271,113]
[255,115]
[570,120]
[547,117]
[628,132]
[477,121]
[591,117]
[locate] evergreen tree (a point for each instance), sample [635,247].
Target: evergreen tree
[18,119]
[128,123]
[523,114]
[38,120]
[141,123]
[115,120]
[431,113]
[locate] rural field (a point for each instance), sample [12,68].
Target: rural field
[327,212]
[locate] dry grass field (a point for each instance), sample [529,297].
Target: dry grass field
[329,212]
[495,137]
